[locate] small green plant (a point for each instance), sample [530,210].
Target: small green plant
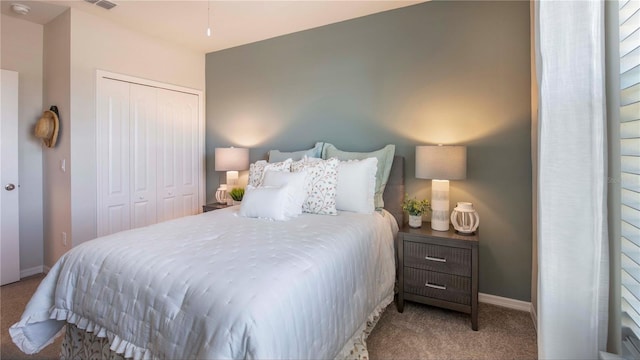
[236,194]
[414,206]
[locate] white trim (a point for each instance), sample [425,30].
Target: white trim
[505,302]
[147,82]
[31,271]
[534,317]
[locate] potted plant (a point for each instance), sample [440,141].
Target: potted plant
[416,208]
[236,195]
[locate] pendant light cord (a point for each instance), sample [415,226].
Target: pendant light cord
[208,18]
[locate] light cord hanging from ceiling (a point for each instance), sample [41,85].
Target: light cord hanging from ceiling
[208,18]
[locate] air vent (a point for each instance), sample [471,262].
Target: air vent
[105,4]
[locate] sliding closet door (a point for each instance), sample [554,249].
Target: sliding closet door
[143,115]
[113,149]
[178,154]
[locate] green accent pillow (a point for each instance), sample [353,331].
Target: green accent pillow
[385,160]
[278,156]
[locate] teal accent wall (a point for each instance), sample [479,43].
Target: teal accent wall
[449,72]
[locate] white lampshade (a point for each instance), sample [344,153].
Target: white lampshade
[231,159]
[441,162]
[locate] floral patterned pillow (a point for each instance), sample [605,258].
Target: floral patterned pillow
[321,185]
[257,169]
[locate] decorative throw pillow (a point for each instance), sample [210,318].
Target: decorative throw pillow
[357,185]
[257,169]
[266,202]
[296,181]
[314,152]
[321,184]
[385,160]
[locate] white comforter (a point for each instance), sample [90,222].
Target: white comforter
[217,285]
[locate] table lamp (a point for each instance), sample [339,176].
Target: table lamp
[441,164]
[231,160]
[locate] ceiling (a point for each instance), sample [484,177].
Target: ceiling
[232,23]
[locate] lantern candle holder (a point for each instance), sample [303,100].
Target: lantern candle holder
[465,218]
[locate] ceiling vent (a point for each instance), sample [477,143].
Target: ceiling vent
[105,4]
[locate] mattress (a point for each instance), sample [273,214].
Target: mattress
[217,285]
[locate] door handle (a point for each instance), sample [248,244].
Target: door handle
[9,187]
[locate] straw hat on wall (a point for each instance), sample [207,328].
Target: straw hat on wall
[47,128]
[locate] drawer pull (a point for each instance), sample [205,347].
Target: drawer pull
[435,286]
[430,258]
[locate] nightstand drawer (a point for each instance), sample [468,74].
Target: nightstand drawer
[444,259]
[436,285]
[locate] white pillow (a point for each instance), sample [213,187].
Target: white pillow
[321,186]
[296,183]
[265,202]
[257,169]
[357,185]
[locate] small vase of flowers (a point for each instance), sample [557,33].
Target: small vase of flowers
[416,208]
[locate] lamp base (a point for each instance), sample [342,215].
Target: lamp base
[439,225]
[440,205]
[232,182]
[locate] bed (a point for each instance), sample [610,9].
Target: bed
[218,285]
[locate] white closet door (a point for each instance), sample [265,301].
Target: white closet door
[143,115]
[149,154]
[177,154]
[113,148]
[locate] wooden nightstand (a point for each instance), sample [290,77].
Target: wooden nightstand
[438,268]
[213,206]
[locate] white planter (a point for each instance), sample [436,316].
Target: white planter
[415,221]
[465,218]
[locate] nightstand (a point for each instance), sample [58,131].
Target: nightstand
[213,206]
[438,268]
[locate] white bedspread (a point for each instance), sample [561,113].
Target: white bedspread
[216,285]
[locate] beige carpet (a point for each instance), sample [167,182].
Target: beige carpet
[421,332]
[13,298]
[425,332]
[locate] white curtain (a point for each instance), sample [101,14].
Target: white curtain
[572,171]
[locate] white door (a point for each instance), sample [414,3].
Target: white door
[112,144]
[9,221]
[178,154]
[149,155]
[143,102]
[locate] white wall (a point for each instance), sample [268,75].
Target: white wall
[22,52]
[57,184]
[99,44]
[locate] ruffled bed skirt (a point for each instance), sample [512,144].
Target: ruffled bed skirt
[79,344]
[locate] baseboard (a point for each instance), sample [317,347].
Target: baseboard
[504,302]
[46,269]
[534,317]
[31,271]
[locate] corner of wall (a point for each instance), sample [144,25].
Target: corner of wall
[534,164]
[56,183]
[612,61]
